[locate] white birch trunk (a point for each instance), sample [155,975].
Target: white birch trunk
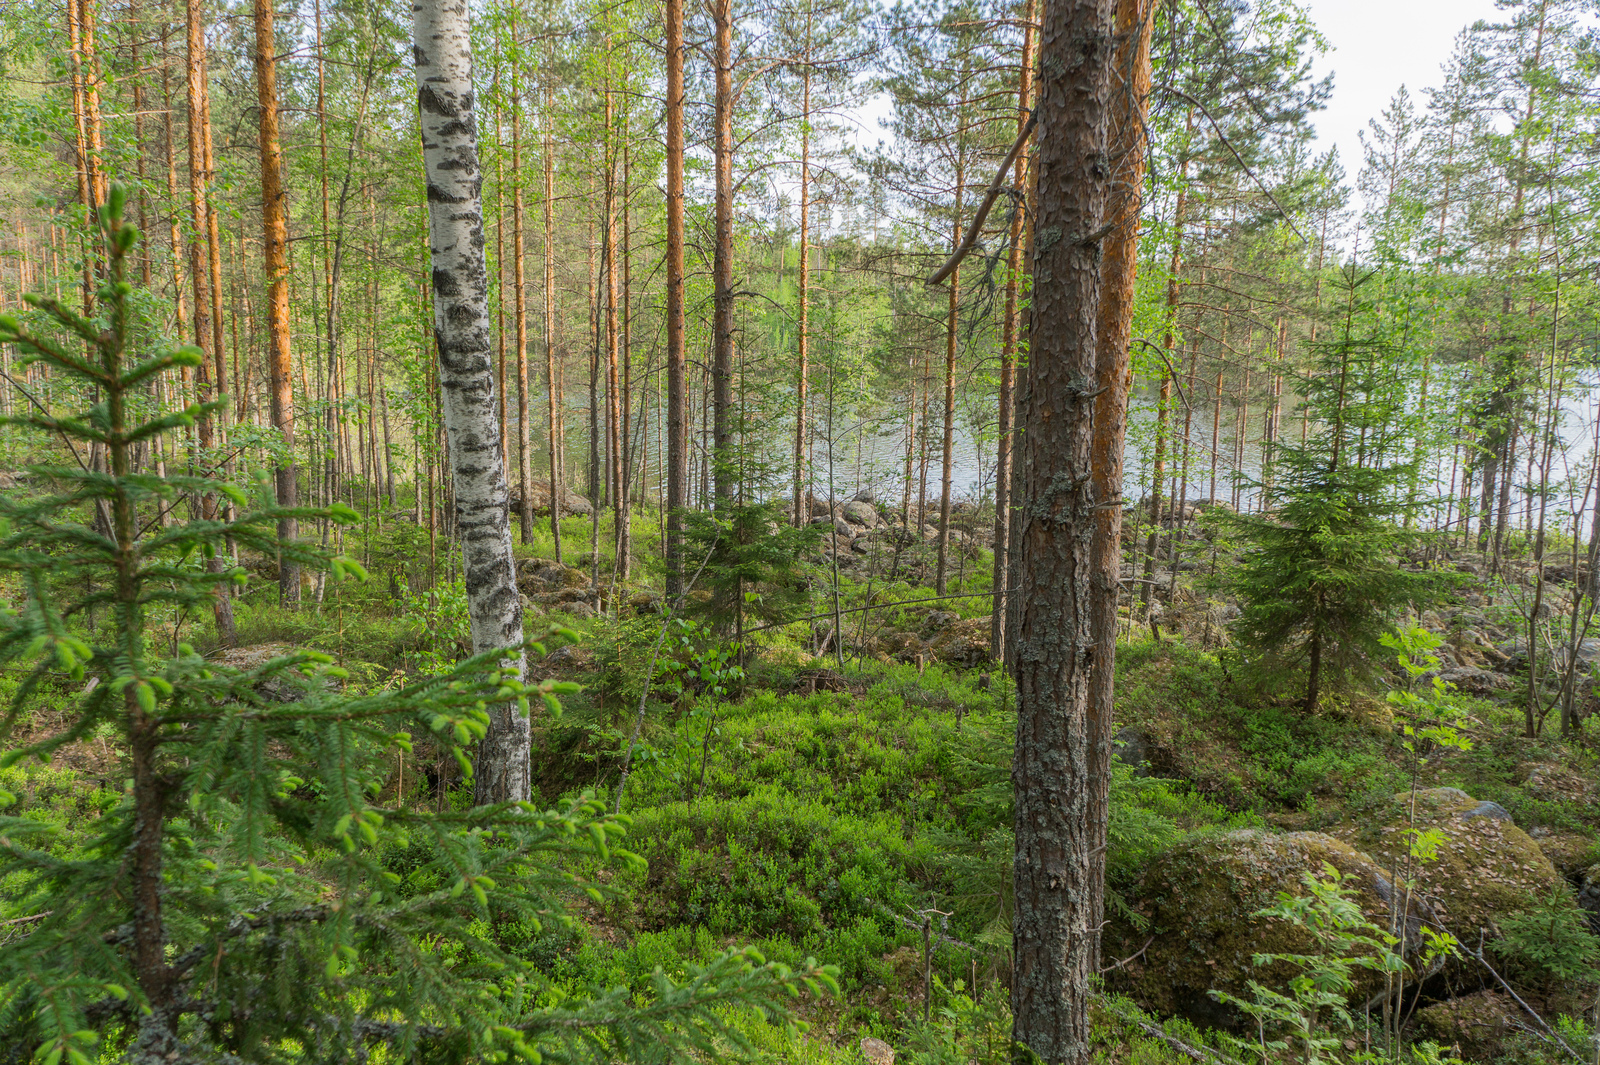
[443,54]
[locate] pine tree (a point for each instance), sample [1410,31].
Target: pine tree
[1321,579]
[249,898]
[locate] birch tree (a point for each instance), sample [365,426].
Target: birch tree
[445,102]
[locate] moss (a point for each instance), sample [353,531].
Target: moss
[1201,901]
[1485,868]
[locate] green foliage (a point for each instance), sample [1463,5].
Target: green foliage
[753,569]
[1310,1020]
[1549,942]
[1321,579]
[239,900]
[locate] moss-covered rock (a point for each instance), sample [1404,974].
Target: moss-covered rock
[1473,1026]
[1202,899]
[1486,866]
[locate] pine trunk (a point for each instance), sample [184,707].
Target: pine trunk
[1113,375]
[722,461]
[274,244]
[677,442]
[1055,641]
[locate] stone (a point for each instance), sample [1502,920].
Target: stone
[877,1052]
[1473,1026]
[579,609]
[862,514]
[867,496]
[1491,810]
[1131,747]
[842,528]
[962,643]
[1201,899]
[1486,866]
[1473,681]
[571,502]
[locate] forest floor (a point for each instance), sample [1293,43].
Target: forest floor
[855,807]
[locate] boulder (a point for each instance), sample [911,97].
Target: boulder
[1472,681]
[1589,897]
[540,575]
[1486,866]
[571,502]
[867,496]
[877,1052]
[962,643]
[578,609]
[1202,898]
[645,603]
[862,514]
[1473,1026]
[906,646]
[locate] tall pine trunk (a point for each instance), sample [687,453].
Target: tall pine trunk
[1008,359]
[1113,376]
[274,245]
[1054,642]
[723,473]
[520,284]
[677,443]
[442,49]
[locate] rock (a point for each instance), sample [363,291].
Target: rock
[1492,810]
[1569,852]
[1589,897]
[940,619]
[1472,1026]
[1132,748]
[877,1052]
[964,643]
[645,603]
[531,609]
[842,528]
[579,609]
[906,646]
[1473,681]
[539,575]
[820,508]
[1486,866]
[1201,899]
[571,502]
[867,496]
[861,545]
[862,514]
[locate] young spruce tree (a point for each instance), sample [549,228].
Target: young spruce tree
[1321,579]
[250,898]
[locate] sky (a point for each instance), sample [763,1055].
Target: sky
[1377,46]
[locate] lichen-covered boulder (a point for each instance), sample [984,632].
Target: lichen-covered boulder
[1202,899]
[862,514]
[962,643]
[1486,866]
[537,576]
[1473,1026]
